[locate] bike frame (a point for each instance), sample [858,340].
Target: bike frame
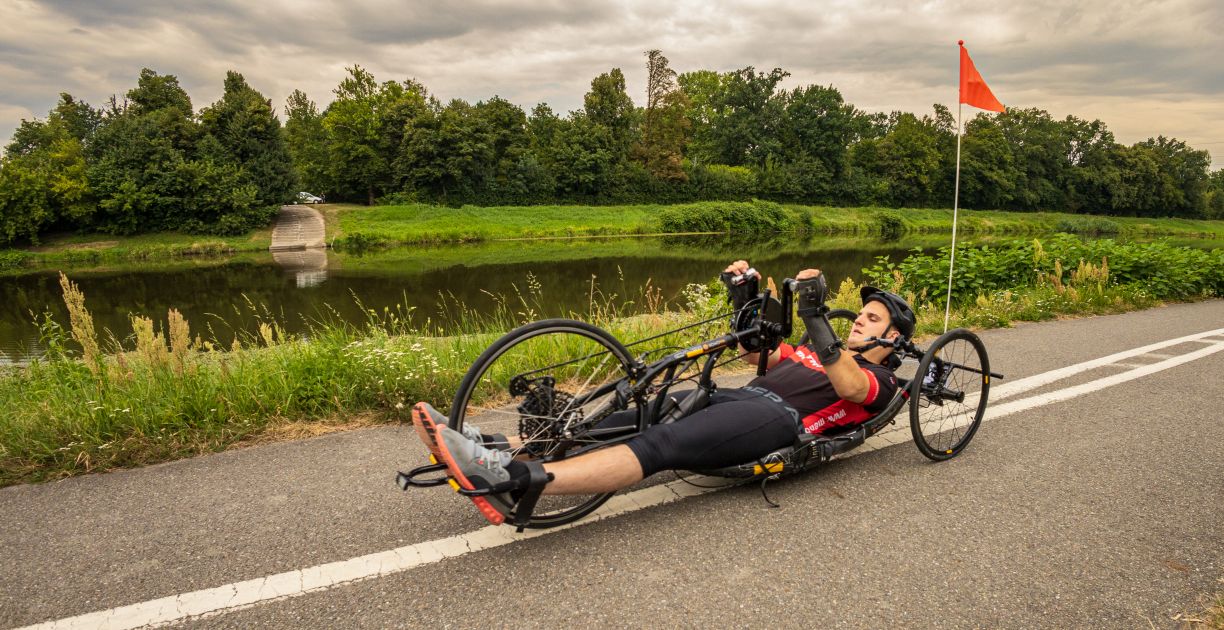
[640,387]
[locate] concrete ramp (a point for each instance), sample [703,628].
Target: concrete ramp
[298,227]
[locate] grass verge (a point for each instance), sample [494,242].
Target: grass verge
[1211,617]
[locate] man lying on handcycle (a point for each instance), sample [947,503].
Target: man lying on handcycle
[811,388]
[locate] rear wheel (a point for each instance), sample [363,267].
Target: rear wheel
[841,319]
[545,386]
[948,394]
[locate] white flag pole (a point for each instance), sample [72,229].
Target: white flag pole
[955,207]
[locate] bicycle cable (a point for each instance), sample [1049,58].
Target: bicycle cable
[628,345]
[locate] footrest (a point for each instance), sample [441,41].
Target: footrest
[411,478]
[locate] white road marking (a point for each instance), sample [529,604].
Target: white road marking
[1011,388]
[240,595]
[1024,404]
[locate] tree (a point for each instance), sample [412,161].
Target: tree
[988,175]
[665,126]
[444,154]
[744,115]
[903,167]
[702,88]
[366,127]
[25,209]
[136,156]
[1141,189]
[1040,148]
[1215,196]
[816,130]
[153,167]
[1092,173]
[608,105]
[585,164]
[249,136]
[540,165]
[1184,174]
[43,177]
[306,141]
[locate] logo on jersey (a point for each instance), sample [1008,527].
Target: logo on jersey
[807,357]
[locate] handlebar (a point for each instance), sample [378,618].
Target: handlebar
[907,347]
[797,286]
[744,277]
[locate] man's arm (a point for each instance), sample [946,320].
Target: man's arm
[739,268]
[848,379]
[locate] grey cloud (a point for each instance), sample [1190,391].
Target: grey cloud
[136,12]
[410,24]
[889,55]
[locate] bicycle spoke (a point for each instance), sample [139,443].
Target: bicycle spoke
[941,423]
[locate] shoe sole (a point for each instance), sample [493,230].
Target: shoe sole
[419,409]
[428,430]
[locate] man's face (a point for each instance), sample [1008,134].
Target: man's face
[872,321]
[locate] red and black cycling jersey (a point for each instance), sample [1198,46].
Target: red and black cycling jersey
[801,381]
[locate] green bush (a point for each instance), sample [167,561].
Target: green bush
[1159,269]
[398,199]
[13,259]
[754,217]
[716,181]
[1095,226]
[359,241]
[890,224]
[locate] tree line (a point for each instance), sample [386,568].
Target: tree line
[147,163]
[150,163]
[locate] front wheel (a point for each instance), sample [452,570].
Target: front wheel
[948,394]
[546,386]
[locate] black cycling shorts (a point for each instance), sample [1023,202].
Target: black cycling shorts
[737,427]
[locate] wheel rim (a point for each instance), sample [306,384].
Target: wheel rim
[536,387]
[950,391]
[842,320]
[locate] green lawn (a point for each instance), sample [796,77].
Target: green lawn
[389,225]
[421,223]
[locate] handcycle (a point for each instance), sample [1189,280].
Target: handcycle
[556,384]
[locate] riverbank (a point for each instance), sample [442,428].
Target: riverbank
[92,250]
[362,227]
[92,405]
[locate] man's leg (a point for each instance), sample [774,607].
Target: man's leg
[605,470]
[724,434]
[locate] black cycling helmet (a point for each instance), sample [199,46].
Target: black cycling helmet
[899,310]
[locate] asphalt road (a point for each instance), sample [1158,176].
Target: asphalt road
[1105,510]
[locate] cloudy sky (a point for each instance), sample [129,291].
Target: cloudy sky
[1145,68]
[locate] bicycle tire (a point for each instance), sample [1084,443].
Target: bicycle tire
[941,424]
[842,320]
[546,343]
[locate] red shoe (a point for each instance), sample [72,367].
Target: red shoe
[430,425]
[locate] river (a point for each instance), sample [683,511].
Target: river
[295,289]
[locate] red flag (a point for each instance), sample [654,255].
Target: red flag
[973,90]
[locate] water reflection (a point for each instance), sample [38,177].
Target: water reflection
[308,266]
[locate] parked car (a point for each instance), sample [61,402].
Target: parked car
[305,197]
